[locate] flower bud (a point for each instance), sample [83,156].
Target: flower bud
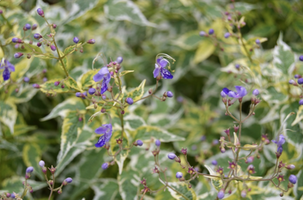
[60,191]
[91,91]
[37,36]
[139,142]
[35,85]
[119,60]
[56,83]
[179,175]
[211,31]
[18,55]
[26,79]
[54,26]
[301,58]
[76,40]
[226,35]
[290,166]
[171,156]
[202,33]
[105,165]
[67,180]
[255,92]
[53,47]
[34,26]
[27,26]
[129,100]
[214,162]
[40,12]
[41,163]
[257,41]
[169,94]
[293,179]
[91,41]
[39,44]
[157,143]
[220,194]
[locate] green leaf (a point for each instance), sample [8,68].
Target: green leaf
[15,184]
[71,130]
[126,72]
[205,49]
[284,58]
[180,191]
[20,69]
[87,79]
[145,133]
[24,95]
[49,87]
[125,10]
[216,182]
[71,49]
[122,155]
[63,108]
[129,182]
[132,122]
[189,40]
[32,155]
[138,92]
[8,114]
[299,116]
[298,187]
[106,189]
[75,149]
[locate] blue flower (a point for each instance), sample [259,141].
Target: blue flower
[279,143]
[8,68]
[160,69]
[104,76]
[240,92]
[106,130]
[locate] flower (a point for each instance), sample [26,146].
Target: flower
[179,175]
[293,179]
[129,100]
[104,166]
[139,142]
[202,33]
[171,156]
[211,31]
[169,94]
[301,58]
[240,92]
[279,143]
[106,130]
[251,169]
[214,162]
[160,69]
[41,163]
[29,169]
[232,165]
[220,194]
[104,76]
[119,60]
[91,91]
[255,92]
[76,40]
[226,35]
[158,143]
[8,68]
[257,41]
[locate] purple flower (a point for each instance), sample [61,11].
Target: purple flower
[220,194]
[279,143]
[105,165]
[214,162]
[240,92]
[300,81]
[255,92]
[129,100]
[91,91]
[119,60]
[40,12]
[223,94]
[139,142]
[160,69]
[169,94]
[106,130]
[301,102]
[257,41]
[226,35]
[41,163]
[202,33]
[104,76]
[293,179]
[211,31]
[301,58]
[76,40]
[27,26]
[69,180]
[158,143]
[29,169]
[171,156]
[8,68]
[179,175]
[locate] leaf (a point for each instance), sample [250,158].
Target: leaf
[248,147]
[129,182]
[20,69]
[87,79]
[75,149]
[216,182]
[23,95]
[32,155]
[180,191]
[189,40]
[71,130]
[71,83]
[15,184]
[122,155]
[49,87]
[121,10]
[138,92]
[145,133]
[124,72]
[299,116]
[298,187]
[284,58]
[71,49]
[8,114]
[106,189]
[205,49]
[63,108]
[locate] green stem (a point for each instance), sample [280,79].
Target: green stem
[243,44]
[60,58]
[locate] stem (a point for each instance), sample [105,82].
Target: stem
[122,125]
[52,188]
[60,58]
[243,44]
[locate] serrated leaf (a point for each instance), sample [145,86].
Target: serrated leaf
[32,155]
[105,189]
[125,10]
[129,182]
[138,92]
[145,133]
[49,87]
[71,83]
[71,49]
[71,129]
[8,114]
[205,49]
[181,191]
[63,108]
[216,182]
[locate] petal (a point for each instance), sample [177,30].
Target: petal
[98,77]
[103,71]
[274,141]
[232,94]
[281,140]
[166,74]
[100,130]
[241,91]
[11,68]
[225,90]
[159,59]
[104,87]
[101,142]
[156,71]
[6,74]
[163,62]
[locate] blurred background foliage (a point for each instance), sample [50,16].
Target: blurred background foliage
[138,31]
